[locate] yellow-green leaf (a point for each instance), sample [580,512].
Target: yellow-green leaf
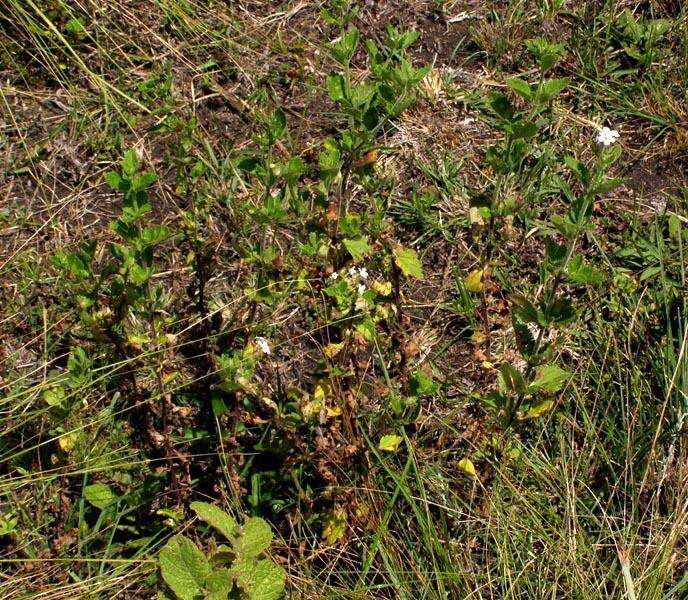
[466,465]
[409,263]
[335,526]
[474,281]
[390,443]
[539,410]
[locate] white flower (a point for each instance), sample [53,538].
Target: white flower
[606,136]
[263,345]
[334,275]
[363,273]
[352,271]
[361,289]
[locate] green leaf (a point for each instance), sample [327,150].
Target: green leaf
[389,443]
[219,584]
[550,378]
[357,247]
[511,379]
[130,163]
[216,518]
[583,274]
[522,88]
[255,538]
[277,124]
[184,568]
[100,495]
[260,579]
[409,263]
[367,329]
[502,106]
[335,87]
[552,87]
[116,182]
[524,129]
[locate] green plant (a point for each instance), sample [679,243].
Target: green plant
[640,37]
[234,571]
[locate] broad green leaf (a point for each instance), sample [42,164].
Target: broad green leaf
[523,129]
[184,568]
[550,378]
[217,518]
[552,87]
[367,329]
[511,379]
[335,87]
[522,88]
[115,181]
[260,579]
[357,247]
[581,273]
[100,495]
[255,537]
[219,584]
[389,443]
[130,163]
[409,263]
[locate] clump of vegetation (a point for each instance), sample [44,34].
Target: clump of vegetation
[350,300]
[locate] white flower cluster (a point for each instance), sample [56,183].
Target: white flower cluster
[360,275]
[606,136]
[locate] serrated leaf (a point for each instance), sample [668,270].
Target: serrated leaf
[216,518]
[100,495]
[409,263]
[522,88]
[115,181]
[260,579]
[552,87]
[389,443]
[184,568]
[130,162]
[550,378]
[357,247]
[255,538]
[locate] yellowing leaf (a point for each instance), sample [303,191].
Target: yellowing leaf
[467,467]
[323,390]
[67,442]
[390,443]
[311,409]
[474,281]
[334,412]
[331,350]
[335,526]
[384,288]
[475,217]
[539,410]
